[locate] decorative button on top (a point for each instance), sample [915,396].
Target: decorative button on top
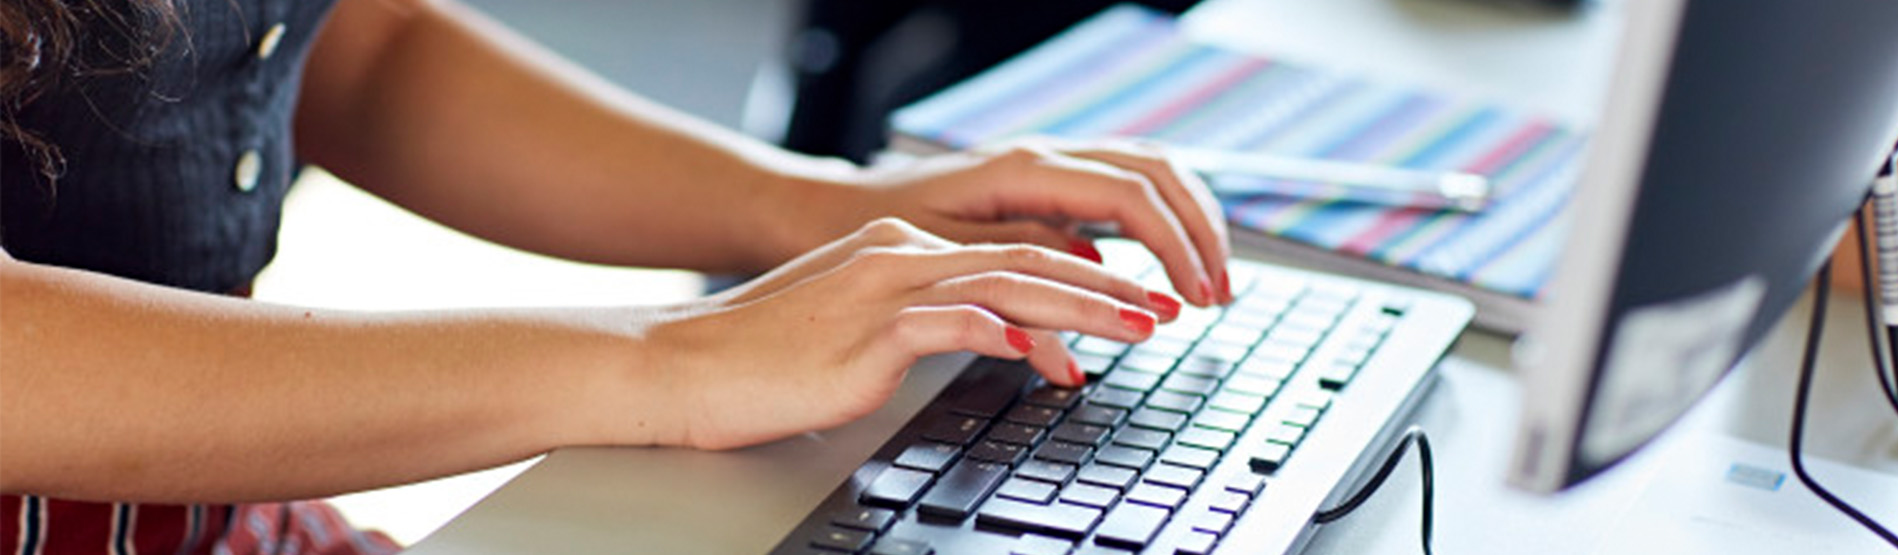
[268,44]
[250,166]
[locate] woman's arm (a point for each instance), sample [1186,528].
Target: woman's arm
[438,109]
[125,391]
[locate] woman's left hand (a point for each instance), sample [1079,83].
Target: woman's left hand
[1038,191]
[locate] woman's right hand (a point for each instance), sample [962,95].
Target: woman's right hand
[828,337]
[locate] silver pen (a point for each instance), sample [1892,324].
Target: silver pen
[1255,173]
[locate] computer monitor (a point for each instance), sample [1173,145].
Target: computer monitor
[1738,138]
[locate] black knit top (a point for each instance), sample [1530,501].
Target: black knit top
[176,172]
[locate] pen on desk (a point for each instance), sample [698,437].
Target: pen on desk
[1339,180]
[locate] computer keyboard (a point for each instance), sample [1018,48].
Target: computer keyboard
[1171,442]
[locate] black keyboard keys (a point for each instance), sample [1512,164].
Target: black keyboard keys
[959,430]
[1054,519]
[962,488]
[897,487]
[928,456]
[843,539]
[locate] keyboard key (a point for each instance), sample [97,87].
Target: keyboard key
[1224,352]
[959,490]
[843,539]
[1024,489]
[1019,434]
[1222,420]
[1167,400]
[1205,367]
[1314,398]
[1098,415]
[1302,417]
[1334,376]
[1230,502]
[1193,385]
[1158,419]
[1128,378]
[1285,433]
[930,456]
[1149,493]
[1263,365]
[1190,456]
[1253,385]
[1153,440]
[1056,519]
[1089,495]
[1120,455]
[1033,415]
[1237,402]
[1092,365]
[959,430]
[1031,544]
[1282,353]
[1196,543]
[1116,397]
[1246,483]
[1100,346]
[897,487]
[1084,434]
[989,394]
[1176,476]
[1130,526]
[1053,397]
[864,518]
[1148,362]
[1270,457]
[996,451]
[1235,333]
[1211,522]
[1168,341]
[1064,452]
[900,546]
[1210,439]
[1107,476]
[1291,335]
[1046,471]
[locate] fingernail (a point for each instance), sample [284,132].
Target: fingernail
[1020,340]
[1166,305]
[1084,249]
[1225,288]
[1140,322]
[1074,371]
[1206,291]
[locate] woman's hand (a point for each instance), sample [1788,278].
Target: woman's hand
[1037,192]
[827,337]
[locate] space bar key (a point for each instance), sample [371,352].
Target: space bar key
[1059,519]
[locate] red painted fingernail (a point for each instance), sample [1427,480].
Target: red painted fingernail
[1084,249]
[1020,340]
[1206,291]
[1166,305]
[1074,371]
[1139,322]
[1225,287]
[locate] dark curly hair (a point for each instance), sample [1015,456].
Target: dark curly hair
[41,43]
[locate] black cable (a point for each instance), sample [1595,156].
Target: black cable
[1881,365]
[1413,435]
[1795,447]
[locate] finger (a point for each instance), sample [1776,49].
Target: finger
[926,330]
[923,269]
[1191,201]
[1053,361]
[1031,232]
[1041,303]
[1093,190]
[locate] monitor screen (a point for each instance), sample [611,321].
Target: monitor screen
[1739,137]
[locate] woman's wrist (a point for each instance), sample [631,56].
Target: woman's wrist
[810,203]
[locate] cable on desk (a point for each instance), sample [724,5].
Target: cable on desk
[1795,446]
[1885,367]
[1413,435]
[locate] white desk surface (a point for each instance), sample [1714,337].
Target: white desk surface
[1550,63]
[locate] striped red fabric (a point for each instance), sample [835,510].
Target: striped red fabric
[31,525]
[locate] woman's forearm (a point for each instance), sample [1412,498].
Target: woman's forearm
[130,392]
[457,118]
